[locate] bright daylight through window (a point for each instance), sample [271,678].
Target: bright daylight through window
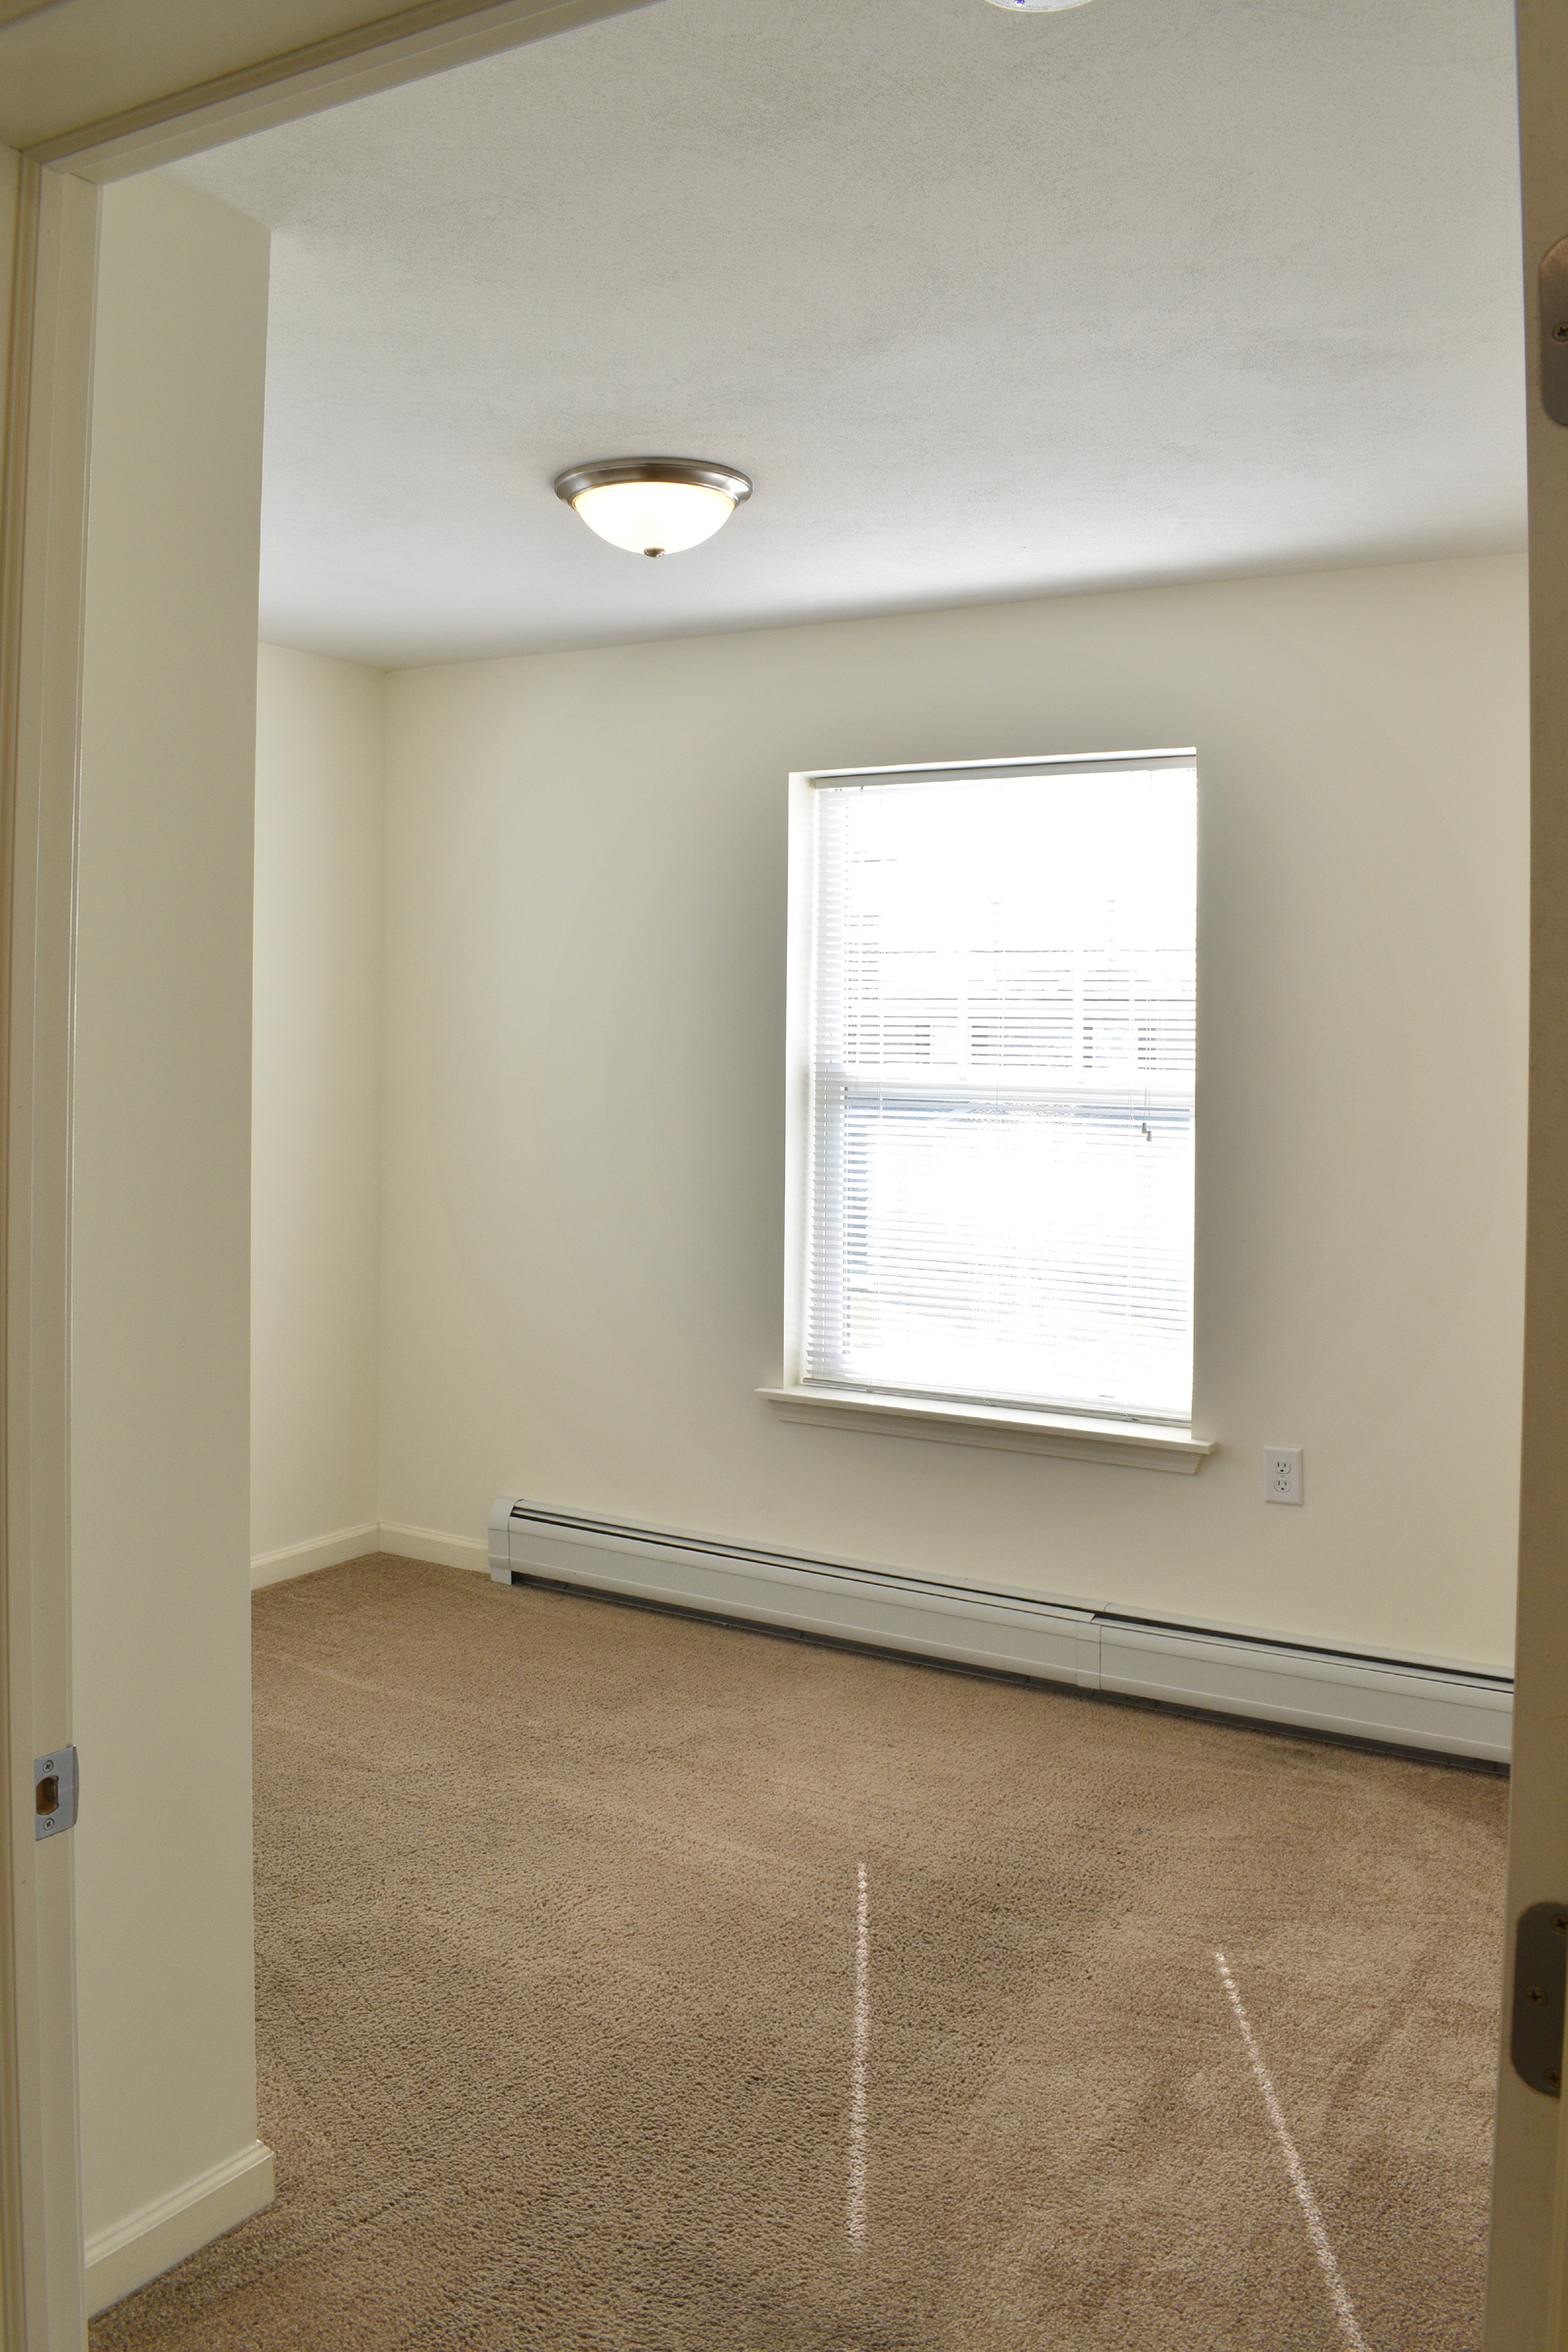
[996,1203]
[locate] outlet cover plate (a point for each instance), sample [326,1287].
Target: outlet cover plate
[1282,1474]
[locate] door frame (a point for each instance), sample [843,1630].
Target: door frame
[1527,2280]
[45,445]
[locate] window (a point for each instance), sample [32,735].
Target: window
[992,991]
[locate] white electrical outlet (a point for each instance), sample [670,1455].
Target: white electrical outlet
[1282,1474]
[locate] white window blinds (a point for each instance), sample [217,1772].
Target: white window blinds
[998,1195]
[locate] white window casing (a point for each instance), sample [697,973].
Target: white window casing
[991,1072]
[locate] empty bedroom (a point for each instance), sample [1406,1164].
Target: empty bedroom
[886,929]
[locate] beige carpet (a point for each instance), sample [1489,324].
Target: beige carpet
[559,1926]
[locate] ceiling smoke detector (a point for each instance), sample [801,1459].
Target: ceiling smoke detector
[654,506]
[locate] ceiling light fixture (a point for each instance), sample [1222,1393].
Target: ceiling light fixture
[1038,7]
[654,506]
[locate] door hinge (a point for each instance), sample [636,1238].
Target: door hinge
[1539,1984]
[54,1792]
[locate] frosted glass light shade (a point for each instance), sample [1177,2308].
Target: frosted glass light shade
[654,506]
[654,517]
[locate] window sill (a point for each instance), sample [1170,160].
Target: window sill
[1120,1444]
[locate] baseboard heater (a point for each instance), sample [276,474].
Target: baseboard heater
[1403,1702]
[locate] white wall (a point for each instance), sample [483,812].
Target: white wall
[583,1200]
[317,1083]
[160,1405]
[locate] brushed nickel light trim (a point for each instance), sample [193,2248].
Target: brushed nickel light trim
[700,472]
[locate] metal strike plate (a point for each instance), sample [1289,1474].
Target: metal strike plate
[1540,1984]
[1554,332]
[54,1792]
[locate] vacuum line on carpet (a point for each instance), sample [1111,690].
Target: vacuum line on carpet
[1312,2210]
[858,2065]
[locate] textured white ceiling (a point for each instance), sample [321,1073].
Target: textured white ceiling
[989,305]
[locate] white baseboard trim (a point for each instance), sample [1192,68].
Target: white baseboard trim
[152,2240]
[1405,1702]
[429,1544]
[323,1551]
[354,1543]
